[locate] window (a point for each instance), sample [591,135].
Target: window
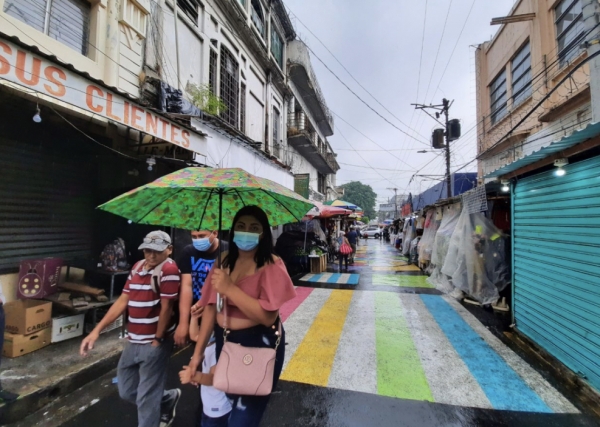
[229,86]
[521,75]
[212,71]
[498,97]
[277,46]
[276,132]
[67,21]
[321,183]
[190,9]
[243,3]
[243,108]
[258,17]
[569,29]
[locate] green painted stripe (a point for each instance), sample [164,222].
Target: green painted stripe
[399,370]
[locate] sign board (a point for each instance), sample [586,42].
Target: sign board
[37,73]
[301,184]
[386,207]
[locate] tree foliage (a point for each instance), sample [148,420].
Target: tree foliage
[203,98]
[362,195]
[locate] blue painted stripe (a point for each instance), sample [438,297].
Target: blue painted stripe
[502,385]
[353,280]
[334,278]
[316,278]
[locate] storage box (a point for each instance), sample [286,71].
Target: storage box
[16,345]
[39,277]
[66,327]
[27,316]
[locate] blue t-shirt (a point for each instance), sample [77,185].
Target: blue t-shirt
[352,236]
[198,264]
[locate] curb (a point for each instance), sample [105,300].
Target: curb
[28,404]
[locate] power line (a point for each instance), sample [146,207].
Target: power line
[422,46]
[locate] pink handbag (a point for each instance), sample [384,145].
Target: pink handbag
[243,370]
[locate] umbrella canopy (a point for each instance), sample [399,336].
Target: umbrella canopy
[323,211]
[342,204]
[207,199]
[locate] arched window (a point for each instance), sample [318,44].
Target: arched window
[258,17]
[229,86]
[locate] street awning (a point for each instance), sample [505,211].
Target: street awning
[576,137]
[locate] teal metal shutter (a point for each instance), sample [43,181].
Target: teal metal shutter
[556,275]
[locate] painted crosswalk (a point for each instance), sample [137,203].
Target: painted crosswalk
[421,347]
[339,278]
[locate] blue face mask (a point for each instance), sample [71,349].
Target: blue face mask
[202,244]
[246,241]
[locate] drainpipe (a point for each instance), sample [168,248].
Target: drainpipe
[111,50]
[176,18]
[592,42]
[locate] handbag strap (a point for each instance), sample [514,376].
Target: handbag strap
[227,331]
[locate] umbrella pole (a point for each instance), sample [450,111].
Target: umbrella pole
[219,298]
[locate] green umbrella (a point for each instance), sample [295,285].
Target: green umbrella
[207,199]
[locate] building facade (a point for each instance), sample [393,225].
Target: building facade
[99,97]
[537,106]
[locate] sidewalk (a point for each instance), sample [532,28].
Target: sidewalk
[54,371]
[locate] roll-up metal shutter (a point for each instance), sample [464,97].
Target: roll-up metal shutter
[46,202]
[557,265]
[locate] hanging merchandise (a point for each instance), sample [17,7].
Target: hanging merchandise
[440,248]
[426,243]
[409,235]
[476,259]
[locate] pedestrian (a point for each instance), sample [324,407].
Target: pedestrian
[5,395]
[254,284]
[215,404]
[149,295]
[352,237]
[195,262]
[342,257]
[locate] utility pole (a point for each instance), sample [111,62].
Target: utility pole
[590,16]
[395,202]
[450,133]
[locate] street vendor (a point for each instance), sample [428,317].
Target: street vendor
[195,262]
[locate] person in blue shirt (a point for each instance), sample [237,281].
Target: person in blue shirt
[352,237]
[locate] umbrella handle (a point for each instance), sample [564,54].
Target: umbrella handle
[219,303]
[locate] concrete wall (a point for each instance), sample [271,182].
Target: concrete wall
[494,56]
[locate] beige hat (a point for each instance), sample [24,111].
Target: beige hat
[156,240]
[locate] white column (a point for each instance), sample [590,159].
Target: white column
[591,20]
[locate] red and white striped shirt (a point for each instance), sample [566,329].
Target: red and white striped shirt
[144,304]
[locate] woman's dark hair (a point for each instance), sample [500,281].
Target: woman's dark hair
[264,253]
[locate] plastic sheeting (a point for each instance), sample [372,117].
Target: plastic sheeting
[414,250]
[428,239]
[440,248]
[476,258]
[409,235]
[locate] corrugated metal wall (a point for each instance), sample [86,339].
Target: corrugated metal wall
[557,265]
[46,202]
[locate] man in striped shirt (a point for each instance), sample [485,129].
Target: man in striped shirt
[150,297]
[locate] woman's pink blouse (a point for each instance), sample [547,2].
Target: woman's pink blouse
[271,285]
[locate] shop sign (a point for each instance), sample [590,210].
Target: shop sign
[386,207]
[37,73]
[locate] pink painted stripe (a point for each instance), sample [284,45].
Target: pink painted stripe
[289,307]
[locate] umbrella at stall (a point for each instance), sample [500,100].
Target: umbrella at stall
[341,204]
[207,199]
[323,211]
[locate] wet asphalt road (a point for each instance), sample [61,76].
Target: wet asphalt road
[306,402]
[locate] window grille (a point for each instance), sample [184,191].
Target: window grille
[276,137]
[569,29]
[498,108]
[277,46]
[521,75]
[212,72]
[321,183]
[67,21]
[243,108]
[190,9]
[258,17]
[229,86]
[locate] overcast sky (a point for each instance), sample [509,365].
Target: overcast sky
[380,43]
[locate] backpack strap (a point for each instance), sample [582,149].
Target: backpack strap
[156,276]
[136,268]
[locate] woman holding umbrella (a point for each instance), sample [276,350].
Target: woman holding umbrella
[254,284]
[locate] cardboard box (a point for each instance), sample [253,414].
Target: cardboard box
[67,327]
[39,277]
[16,345]
[25,317]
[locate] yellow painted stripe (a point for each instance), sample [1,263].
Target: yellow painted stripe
[312,362]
